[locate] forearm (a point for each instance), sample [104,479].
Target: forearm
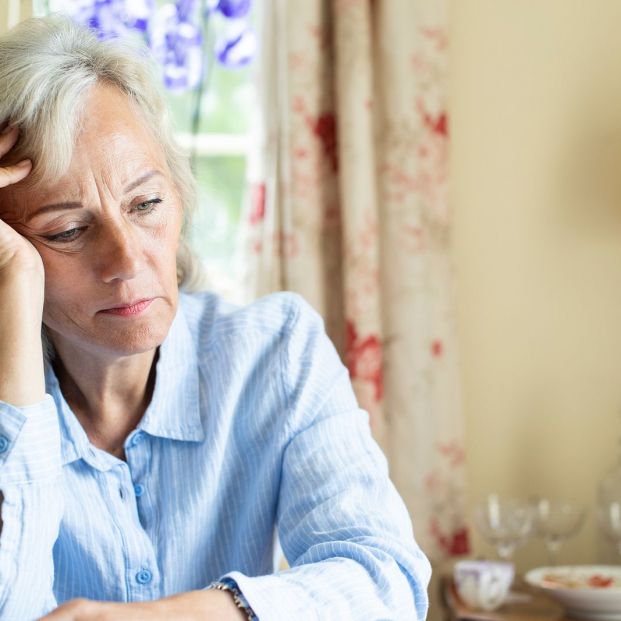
[338,588]
[31,516]
[208,604]
[21,357]
[31,509]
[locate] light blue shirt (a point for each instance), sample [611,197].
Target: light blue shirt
[253,432]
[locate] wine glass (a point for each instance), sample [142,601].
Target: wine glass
[609,517]
[505,523]
[556,521]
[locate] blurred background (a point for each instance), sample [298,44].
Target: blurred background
[441,180]
[535,107]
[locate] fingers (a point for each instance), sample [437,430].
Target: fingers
[89,610]
[14,173]
[8,138]
[72,610]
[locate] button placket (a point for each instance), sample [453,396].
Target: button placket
[145,582]
[138,462]
[142,578]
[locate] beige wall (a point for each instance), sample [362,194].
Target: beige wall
[536,191]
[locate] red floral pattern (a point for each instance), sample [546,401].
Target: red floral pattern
[324,128]
[360,175]
[364,359]
[453,544]
[437,348]
[257,203]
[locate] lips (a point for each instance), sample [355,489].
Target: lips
[128,310]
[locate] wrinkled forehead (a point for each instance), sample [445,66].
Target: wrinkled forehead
[113,146]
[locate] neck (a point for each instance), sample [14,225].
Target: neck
[107,395]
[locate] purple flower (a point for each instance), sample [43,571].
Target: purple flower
[176,46]
[174,32]
[233,8]
[138,13]
[238,47]
[187,10]
[111,18]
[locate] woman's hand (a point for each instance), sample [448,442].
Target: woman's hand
[205,605]
[16,252]
[22,284]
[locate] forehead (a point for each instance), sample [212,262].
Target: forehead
[111,126]
[113,146]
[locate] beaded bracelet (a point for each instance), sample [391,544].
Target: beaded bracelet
[228,584]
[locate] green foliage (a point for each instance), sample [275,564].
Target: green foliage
[216,222]
[226,105]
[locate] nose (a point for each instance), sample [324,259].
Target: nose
[120,252]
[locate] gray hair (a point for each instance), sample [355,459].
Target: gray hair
[47,66]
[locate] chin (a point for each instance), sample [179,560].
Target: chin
[114,342]
[133,340]
[134,347]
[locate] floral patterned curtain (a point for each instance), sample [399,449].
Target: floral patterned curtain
[348,207]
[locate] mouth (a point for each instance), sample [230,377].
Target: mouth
[128,310]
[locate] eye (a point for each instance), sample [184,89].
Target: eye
[66,236]
[147,206]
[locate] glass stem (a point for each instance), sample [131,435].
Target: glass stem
[554,545]
[505,551]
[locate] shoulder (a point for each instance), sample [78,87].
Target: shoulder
[275,348]
[212,319]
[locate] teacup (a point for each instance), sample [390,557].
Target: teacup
[483,585]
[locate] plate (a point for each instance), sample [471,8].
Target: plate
[586,591]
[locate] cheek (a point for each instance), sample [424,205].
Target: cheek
[164,237]
[64,291]
[63,278]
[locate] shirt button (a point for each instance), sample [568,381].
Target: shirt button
[138,489]
[138,436]
[4,444]
[144,576]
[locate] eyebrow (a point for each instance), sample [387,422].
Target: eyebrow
[142,179]
[76,205]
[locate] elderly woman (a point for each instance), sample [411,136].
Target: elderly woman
[157,442]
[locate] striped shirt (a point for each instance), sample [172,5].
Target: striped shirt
[253,435]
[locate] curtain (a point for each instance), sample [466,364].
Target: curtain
[14,11]
[348,207]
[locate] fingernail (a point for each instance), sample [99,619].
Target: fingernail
[24,163]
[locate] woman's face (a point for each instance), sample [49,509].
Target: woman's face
[107,233]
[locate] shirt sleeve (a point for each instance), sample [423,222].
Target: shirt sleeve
[31,511]
[343,527]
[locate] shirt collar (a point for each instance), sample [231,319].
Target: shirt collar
[174,409]
[74,442]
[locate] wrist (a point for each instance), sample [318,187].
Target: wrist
[24,279]
[229,587]
[21,365]
[209,603]
[24,289]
